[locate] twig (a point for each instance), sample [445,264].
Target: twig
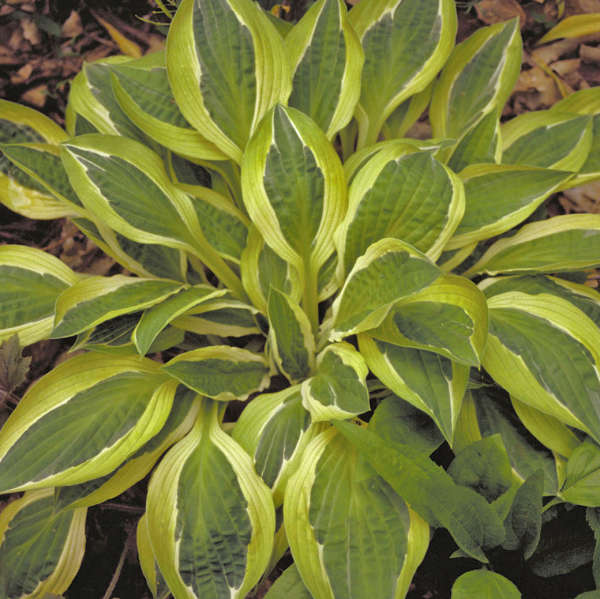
[132,509]
[115,578]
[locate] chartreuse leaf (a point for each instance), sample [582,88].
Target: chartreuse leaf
[124,184]
[484,467]
[387,272]
[180,420]
[18,190]
[338,388]
[96,299]
[562,243]
[549,139]
[326,58]
[544,351]
[290,335]
[335,507]
[289,586]
[407,114]
[295,193]
[32,280]
[582,484]
[573,26]
[224,61]
[155,319]
[211,519]
[112,408]
[490,210]
[484,584]
[220,371]
[93,105]
[430,382]
[477,79]
[412,197]
[448,317]
[40,549]
[142,89]
[262,269]
[152,574]
[273,429]
[430,491]
[405,43]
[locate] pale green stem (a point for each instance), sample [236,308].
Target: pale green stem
[310,298]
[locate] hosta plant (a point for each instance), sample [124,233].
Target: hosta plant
[311,303]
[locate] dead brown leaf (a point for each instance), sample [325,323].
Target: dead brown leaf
[582,6]
[496,11]
[36,96]
[535,90]
[589,53]
[72,26]
[22,75]
[31,32]
[581,199]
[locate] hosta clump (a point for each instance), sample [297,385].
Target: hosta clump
[370,296]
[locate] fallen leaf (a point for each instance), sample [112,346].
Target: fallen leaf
[552,52]
[496,11]
[13,366]
[536,89]
[31,32]
[36,96]
[72,26]
[22,75]
[128,47]
[16,39]
[589,53]
[6,10]
[585,198]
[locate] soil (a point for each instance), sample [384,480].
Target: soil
[42,46]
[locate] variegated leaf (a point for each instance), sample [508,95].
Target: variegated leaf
[211,519]
[387,272]
[478,79]
[225,100]
[448,317]
[154,579]
[112,408]
[290,335]
[335,507]
[274,429]
[18,190]
[490,210]
[411,197]
[40,549]
[549,139]
[32,280]
[142,89]
[407,114]
[96,299]
[326,59]
[562,243]
[338,388]
[406,43]
[430,382]
[221,372]
[545,352]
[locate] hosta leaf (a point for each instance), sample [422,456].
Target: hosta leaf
[478,79]
[582,484]
[338,511]
[326,59]
[290,335]
[407,114]
[411,197]
[338,388]
[448,317]
[491,211]
[544,352]
[562,243]
[40,549]
[573,26]
[484,584]
[274,429]
[548,139]
[158,317]
[387,272]
[152,574]
[18,190]
[211,519]
[225,99]
[96,299]
[430,491]
[406,43]
[180,420]
[31,282]
[484,467]
[112,408]
[13,365]
[142,89]
[430,382]
[294,189]
[220,371]
[480,144]
[92,101]
[125,185]
[289,586]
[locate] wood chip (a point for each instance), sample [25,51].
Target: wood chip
[72,26]
[36,96]
[496,11]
